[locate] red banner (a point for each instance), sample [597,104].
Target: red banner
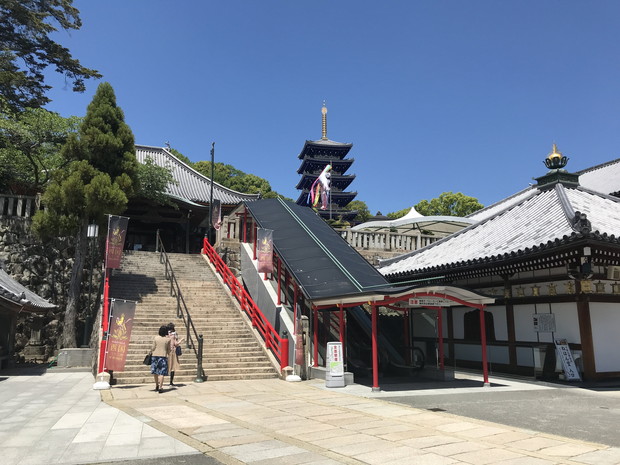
[265,250]
[122,315]
[117,228]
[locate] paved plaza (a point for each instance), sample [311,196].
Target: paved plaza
[56,417]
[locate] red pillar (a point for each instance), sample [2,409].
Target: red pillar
[341,324]
[440,336]
[407,339]
[254,242]
[375,352]
[483,343]
[279,282]
[245,225]
[294,306]
[105,317]
[315,338]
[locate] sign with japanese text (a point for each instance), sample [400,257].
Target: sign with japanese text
[335,363]
[117,228]
[568,363]
[122,315]
[544,322]
[264,252]
[429,302]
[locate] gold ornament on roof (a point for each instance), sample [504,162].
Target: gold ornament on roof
[324,113]
[555,159]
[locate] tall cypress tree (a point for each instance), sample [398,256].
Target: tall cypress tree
[98,181]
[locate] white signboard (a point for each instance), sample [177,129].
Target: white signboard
[568,363]
[544,322]
[335,364]
[430,302]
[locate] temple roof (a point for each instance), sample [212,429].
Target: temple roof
[339,181]
[20,297]
[534,220]
[327,148]
[191,185]
[603,178]
[317,164]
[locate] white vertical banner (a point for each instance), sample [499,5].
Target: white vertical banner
[568,363]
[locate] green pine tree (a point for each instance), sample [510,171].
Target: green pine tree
[98,181]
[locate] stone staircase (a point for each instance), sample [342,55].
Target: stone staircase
[231,350]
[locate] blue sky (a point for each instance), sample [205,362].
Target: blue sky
[442,95]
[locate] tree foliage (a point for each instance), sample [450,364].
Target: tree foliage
[30,144]
[97,181]
[26,50]
[363,213]
[153,181]
[449,204]
[180,156]
[231,177]
[398,214]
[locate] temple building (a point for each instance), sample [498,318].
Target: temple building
[328,158]
[550,256]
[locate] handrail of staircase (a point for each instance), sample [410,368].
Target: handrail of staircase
[182,310]
[278,345]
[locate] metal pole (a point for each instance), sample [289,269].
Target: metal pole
[211,195]
[199,372]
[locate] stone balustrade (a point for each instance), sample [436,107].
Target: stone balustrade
[18,205]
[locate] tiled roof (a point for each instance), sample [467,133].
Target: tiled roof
[17,294]
[604,178]
[191,185]
[539,219]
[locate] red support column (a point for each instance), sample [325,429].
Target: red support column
[407,341]
[245,225]
[483,343]
[254,242]
[284,353]
[375,352]
[105,317]
[286,280]
[440,336]
[279,272]
[341,324]
[315,337]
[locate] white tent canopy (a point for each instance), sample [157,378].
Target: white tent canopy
[414,221]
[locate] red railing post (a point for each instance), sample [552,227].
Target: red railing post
[315,330]
[279,282]
[284,351]
[483,343]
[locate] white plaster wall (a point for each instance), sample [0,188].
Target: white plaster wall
[495,354]
[458,318]
[422,327]
[605,318]
[566,321]
[524,327]
[525,357]
[499,321]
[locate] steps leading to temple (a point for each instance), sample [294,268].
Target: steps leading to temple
[231,350]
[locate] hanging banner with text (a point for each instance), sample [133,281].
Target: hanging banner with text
[122,315]
[264,252]
[216,214]
[117,228]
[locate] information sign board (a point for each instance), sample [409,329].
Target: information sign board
[544,322]
[429,302]
[568,363]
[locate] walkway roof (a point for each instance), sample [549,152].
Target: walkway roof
[328,270]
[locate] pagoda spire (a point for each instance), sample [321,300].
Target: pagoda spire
[324,112]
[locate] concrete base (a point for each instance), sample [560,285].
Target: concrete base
[81,357]
[319,373]
[447,374]
[103,381]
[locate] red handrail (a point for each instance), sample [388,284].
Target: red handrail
[273,341]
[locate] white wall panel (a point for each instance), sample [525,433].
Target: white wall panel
[605,319]
[495,354]
[567,321]
[499,321]
[524,326]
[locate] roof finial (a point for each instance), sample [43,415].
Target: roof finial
[324,112]
[555,160]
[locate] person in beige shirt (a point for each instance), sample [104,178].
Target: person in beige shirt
[159,360]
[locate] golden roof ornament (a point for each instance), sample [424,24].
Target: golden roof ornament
[324,112]
[555,160]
